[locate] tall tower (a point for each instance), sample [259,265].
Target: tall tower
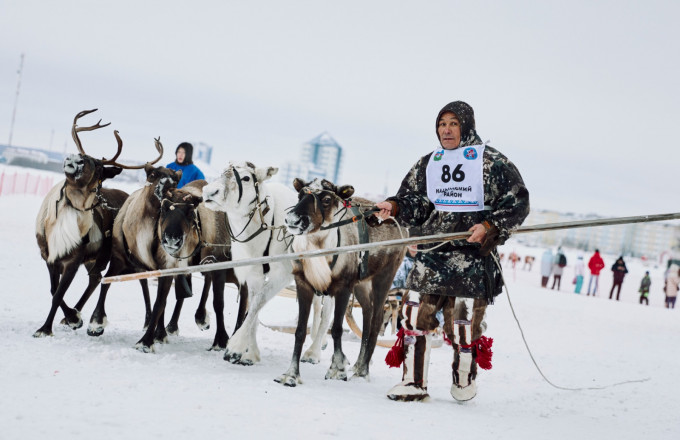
[325,155]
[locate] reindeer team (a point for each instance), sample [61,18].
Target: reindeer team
[242,214]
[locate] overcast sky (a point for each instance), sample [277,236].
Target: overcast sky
[583,96]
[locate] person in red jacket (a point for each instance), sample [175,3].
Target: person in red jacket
[595,264]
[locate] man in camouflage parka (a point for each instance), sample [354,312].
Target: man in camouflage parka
[459,277]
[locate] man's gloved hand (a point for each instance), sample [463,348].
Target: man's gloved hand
[384,210]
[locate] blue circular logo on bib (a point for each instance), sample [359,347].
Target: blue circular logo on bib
[470,153]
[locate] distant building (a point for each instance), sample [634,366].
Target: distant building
[202,152]
[651,240]
[320,158]
[32,158]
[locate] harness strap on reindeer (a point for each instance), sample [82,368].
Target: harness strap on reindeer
[101,201]
[359,218]
[256,210]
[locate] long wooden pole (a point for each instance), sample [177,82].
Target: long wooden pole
[438,238]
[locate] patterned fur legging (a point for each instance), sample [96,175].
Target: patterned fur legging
[454,309]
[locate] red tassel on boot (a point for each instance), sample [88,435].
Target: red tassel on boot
[395,356]
[484,353]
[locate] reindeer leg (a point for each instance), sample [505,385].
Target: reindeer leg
[98,320]
[242,347]
[305,295]
[337,369]
[242,305]
[362,293]
[70,269]
[146,343]
[70,315]
[147,302]
[320,324]
[201,316]
[221,337]
[95,277]
[161,335]
[380,286]
[173,328]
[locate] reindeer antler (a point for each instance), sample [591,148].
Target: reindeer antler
[112,161]
[159,148]
[75,129]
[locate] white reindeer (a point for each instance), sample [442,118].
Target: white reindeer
[256,210]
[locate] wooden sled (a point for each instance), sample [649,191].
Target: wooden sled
[392,307]
[391,312]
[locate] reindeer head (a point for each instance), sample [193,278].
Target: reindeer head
[83,171]
[161,179]
[87,172]
[318,202]
[237,188]
[178,226]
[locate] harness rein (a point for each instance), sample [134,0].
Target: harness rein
[359,218]
[257,209]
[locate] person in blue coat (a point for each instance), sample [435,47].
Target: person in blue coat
[184,163]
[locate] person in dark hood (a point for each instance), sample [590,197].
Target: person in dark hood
[620,270]
[184,162]
[463,185]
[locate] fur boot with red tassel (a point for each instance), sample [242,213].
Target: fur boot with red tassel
[413,385]
[467,357]
[413,349]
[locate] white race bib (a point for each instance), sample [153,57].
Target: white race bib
[455,179]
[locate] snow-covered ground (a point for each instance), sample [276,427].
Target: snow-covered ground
[73,386]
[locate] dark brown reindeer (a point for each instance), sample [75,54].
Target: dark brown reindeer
[322,219]
[138,247]
[187,230]
[74,224]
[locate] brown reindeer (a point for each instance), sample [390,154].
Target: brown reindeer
[73,226]
[138,247]
[323,218]
[187,230]
[134,234]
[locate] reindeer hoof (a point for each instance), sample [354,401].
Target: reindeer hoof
[288,380]
[311,359]
[172,329]
[141,346]
[364,377]
[360,372]
[42,333]
[160,335]
[237,359]
[74,322]
[202,321]
[219,344]
[97,331]
[336,375]
[232,357]
[96,328]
